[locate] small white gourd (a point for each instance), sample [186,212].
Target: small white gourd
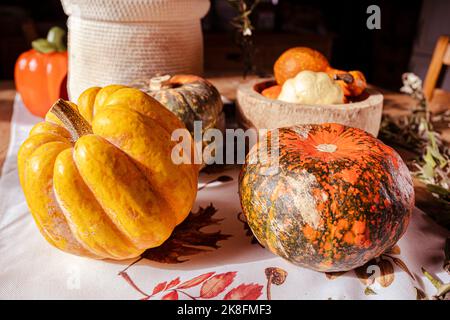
[310,87]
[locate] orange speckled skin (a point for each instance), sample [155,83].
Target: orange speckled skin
[113,193]
[340,198]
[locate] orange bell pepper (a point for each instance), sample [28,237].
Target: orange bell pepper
[40,74]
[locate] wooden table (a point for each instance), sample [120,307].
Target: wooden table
[395,104]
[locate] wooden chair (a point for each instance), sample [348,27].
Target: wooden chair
[439,99]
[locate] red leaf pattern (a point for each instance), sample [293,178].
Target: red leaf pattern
[195,281]
[250,291]
[173,283]
[127,278]
[216,285]
[212,286]
[172,295]
[159,287]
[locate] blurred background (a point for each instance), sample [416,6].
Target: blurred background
[405,42]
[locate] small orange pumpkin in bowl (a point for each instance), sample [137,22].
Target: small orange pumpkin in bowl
[297,59]
[272,92]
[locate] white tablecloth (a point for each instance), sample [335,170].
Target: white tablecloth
[30,268]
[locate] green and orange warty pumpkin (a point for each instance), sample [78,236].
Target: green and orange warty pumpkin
[331,199]
[190,98]
[98,176]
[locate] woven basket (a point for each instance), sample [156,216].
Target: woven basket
[119,41]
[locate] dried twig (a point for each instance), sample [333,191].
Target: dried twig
[244,31]
[415,132]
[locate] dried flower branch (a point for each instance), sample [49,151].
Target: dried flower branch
[415,132]
[244,31]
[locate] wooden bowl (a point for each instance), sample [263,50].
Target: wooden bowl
[256,111]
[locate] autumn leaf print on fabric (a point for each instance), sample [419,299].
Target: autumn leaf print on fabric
[211,286]
[187,239]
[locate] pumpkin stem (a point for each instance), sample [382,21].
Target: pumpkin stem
[346,77]
[157,83]
[71,118]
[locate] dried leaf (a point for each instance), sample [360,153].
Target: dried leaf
[224,179]
[420,295]
[369,291]
[221,179]
[187,239]
[386,276]
[173,295]
[216,285]
[159,287]
[394,250]
[364,274]
[402,266]
[250,291]
[248,232]
[195,281]
[173,283]
[334,275]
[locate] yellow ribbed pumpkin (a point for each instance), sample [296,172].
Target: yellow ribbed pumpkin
[98,176]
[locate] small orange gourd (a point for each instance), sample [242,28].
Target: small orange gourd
[272,92]
[298,59]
